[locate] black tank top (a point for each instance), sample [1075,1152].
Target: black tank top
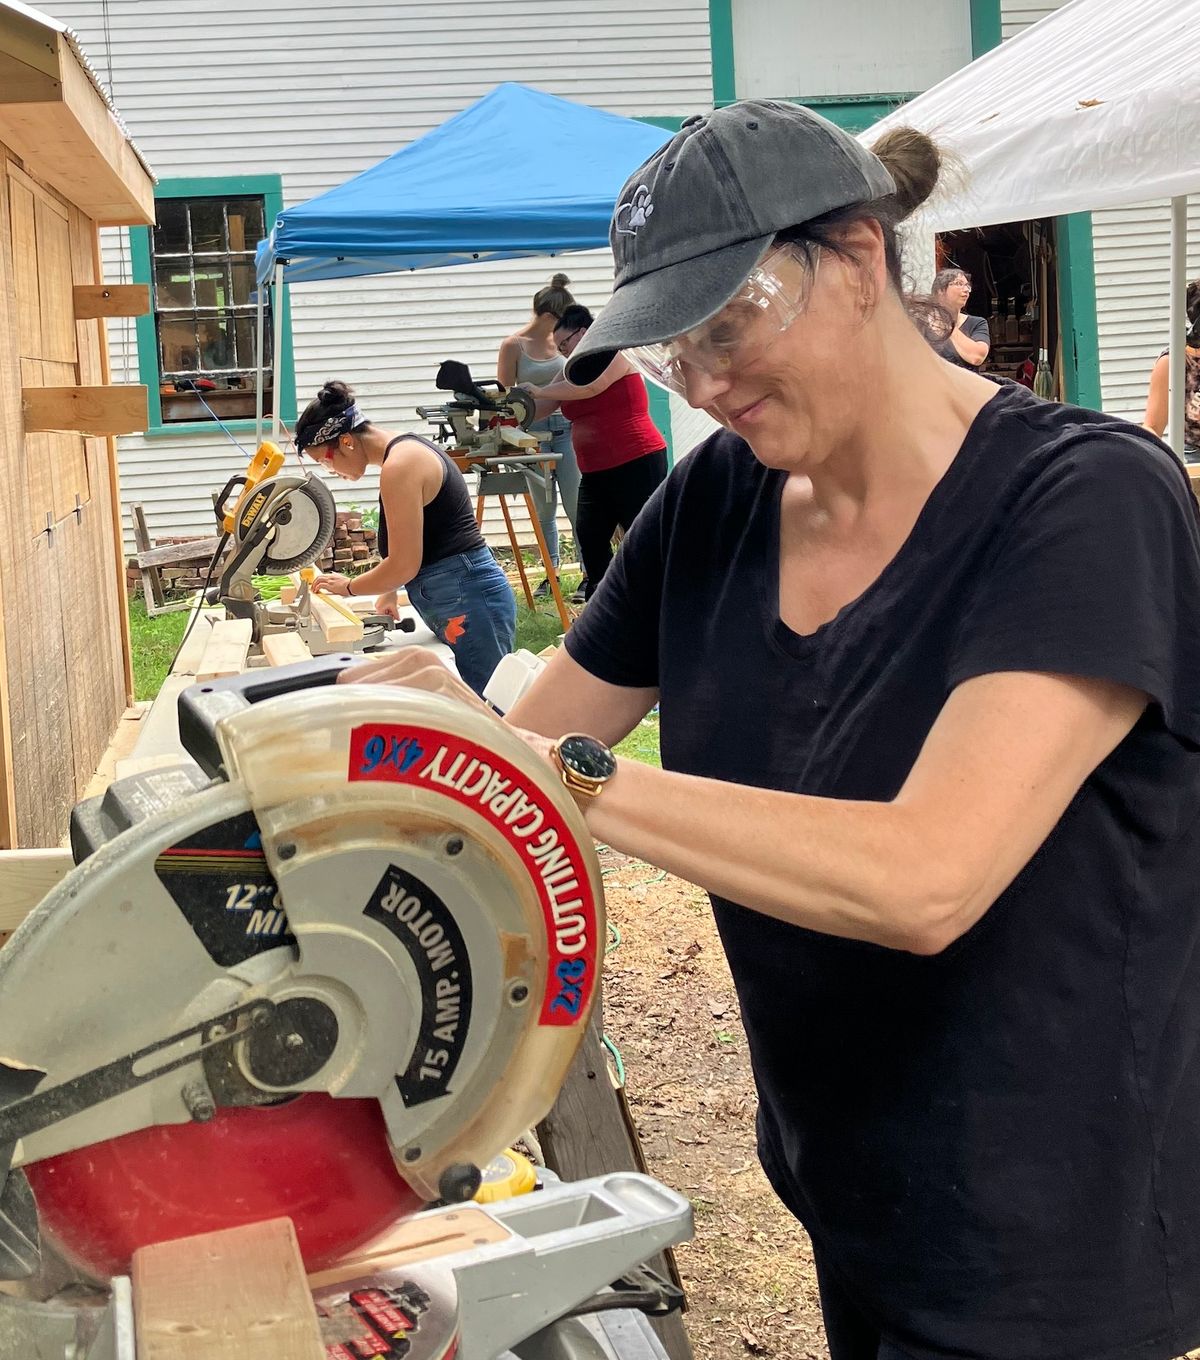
[449,519]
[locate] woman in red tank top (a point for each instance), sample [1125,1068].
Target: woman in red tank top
[621,453]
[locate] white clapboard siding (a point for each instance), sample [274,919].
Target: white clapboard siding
[316,92]
[1016,15]
[688,427]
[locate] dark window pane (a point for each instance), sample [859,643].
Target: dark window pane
[245,329]
[212,283]
[171,233]
[173,285]
[245,223]
[216,342]
[177,336]
[243,282]
[208,225]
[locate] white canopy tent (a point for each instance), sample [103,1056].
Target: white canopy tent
[1095,106]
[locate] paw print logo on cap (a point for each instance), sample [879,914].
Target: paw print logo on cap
[634,213]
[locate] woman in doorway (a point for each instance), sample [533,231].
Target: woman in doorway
[621,452]
[1155,418]
[530,358]
[429,542]
[969,340]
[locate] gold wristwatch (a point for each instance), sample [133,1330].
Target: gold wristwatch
[584,764]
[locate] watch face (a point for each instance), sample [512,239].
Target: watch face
[587,757]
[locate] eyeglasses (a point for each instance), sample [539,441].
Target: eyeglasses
[772,298]
[566,340]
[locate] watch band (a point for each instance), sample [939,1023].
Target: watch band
[577,781]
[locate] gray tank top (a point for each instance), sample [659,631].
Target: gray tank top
[538,372]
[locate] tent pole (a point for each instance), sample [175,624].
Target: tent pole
[260,329]
[277,353]
[1179,236]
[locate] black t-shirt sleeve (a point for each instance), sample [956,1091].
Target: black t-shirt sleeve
[1095,573]
[976,328]
[616,637]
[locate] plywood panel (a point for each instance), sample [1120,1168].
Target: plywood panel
[23,227]
[39,462]
[56,299]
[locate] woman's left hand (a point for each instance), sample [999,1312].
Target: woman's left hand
[332,583]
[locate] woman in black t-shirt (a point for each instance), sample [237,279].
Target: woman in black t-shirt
[926,651]
[428,539]
[969,340]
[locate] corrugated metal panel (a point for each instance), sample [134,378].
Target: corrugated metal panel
[1016,15]
[787,48]
[317,92]
[1132,247]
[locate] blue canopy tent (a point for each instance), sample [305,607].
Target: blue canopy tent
[518,173]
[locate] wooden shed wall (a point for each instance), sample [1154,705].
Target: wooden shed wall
[62,658]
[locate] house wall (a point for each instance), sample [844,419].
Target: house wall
[317,92]
[61,655]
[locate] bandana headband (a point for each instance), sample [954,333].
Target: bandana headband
[335,426]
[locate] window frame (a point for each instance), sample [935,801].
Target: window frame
[270,189]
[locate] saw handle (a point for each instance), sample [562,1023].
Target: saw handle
[202,706]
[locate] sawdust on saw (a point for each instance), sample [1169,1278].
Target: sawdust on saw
[670,1009]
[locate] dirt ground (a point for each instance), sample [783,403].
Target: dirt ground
[671,1011]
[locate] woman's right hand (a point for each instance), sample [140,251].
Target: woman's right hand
[387,604]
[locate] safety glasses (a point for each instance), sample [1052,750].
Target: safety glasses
[776,293]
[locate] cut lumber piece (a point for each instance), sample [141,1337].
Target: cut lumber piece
[26,876]
[120,409]
[192,651]
[93,300]
[238,1293]
[285,649]
[336,622]
[288,593]
[225,652]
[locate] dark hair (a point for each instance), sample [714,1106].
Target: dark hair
[575,318]
[932,319]
[331,400]
[554,299]
[915,163]
[945,277]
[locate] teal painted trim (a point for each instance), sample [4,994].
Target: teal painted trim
[1077,310]
[853,112]
[720,42]
[660,413]
[224,186]
[986,26]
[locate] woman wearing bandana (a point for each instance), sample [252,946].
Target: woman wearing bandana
[429,542]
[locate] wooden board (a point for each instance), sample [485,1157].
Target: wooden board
[336,622]
[54,281]
[120,409]
[285,649]
[26,876]
[94,300]
[192,651]
[225,652]
[200,548]
[23,225]
[233,1295]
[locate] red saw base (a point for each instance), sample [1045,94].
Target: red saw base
[324,1163]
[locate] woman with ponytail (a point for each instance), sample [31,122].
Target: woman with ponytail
[530,357]
[926,651]
[429,542]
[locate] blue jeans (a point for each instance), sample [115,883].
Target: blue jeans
[564,481]
[466,602]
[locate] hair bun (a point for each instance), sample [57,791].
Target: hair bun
[335,393]
[560,281]
[914,162]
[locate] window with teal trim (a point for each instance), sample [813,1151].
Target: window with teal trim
[197,348]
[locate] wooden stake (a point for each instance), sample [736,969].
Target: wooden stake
[238,1293]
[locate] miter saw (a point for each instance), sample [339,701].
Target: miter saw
[484,419]
[327,975]
[280,522]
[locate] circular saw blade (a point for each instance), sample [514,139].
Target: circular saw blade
[522,404]
[299,541]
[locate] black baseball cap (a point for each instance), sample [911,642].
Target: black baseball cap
[694,220]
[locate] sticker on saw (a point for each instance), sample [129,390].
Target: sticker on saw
[426,927]
[219,879]
[385,1322]
[499,792]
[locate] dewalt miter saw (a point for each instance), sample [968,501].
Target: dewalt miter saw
[328,975]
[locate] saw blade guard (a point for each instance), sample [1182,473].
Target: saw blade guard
[390,910]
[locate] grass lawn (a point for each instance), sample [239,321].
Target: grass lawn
[155,641]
